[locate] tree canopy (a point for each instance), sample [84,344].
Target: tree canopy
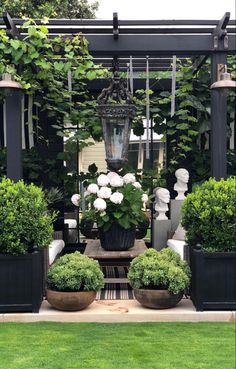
[51,9]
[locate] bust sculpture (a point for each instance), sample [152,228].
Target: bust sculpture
[182,176]
[162,197]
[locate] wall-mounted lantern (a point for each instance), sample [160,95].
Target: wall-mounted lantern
[224,81]
[116,109]
[7,84]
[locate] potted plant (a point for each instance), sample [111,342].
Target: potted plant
[25,227]
[116,205]
[158,278]
[73,281]
[209,218]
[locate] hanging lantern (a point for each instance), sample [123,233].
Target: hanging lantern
[116,109]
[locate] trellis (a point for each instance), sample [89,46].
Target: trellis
[160,40]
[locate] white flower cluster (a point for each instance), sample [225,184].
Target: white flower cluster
[103,192]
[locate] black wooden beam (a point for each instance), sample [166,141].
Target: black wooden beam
[139,83]
[220,29]
[218,123]
[12,30]
[163,45]
[14,135]
[115,26]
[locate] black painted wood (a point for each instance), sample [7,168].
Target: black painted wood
[213,282]
[218,123]
[21,282]
[14,135]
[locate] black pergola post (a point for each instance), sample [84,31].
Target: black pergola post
[218,123]
[14,135]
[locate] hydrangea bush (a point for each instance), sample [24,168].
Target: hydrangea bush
[114,198]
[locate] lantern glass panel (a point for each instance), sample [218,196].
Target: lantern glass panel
[116,134]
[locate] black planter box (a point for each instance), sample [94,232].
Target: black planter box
[213,281]
[21,282]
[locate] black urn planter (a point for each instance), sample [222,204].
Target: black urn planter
[117,238]
[21,282]
[213,281]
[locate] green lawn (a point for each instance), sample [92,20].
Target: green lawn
[117,346]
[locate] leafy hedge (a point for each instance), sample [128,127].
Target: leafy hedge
[75,272]
[24,217]
[209,215]
[159,270]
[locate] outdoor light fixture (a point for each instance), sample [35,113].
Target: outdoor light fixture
[8,84]
[224,81]
[116,109]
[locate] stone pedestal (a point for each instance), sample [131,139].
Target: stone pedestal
[160,233]
[175,215]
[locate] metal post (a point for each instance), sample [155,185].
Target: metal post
[218,123]
[14,135]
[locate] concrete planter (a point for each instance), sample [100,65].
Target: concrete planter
[70,301]
[157,299]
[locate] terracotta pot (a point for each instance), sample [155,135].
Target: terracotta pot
[157,299]
[117,238]
[70,301]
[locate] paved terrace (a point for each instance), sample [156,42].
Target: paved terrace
[121,311]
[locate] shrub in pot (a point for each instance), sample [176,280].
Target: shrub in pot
[73,281]
[158,278]
[25,227]
[209,218]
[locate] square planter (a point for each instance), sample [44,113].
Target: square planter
[213,281]
[21,282]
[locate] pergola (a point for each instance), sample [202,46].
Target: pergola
[159,40]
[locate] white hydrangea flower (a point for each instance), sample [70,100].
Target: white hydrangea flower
[103,180]
[75,199]
[116,181]
[110,175]
[137,185]
[92,188]
[100,204]
[116,197]
[145,198]
[104,192]
[129,178]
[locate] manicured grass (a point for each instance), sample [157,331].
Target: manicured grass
[117,346]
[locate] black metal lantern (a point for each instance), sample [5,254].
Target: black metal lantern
[116,109]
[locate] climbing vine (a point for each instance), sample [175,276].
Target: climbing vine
[42,63]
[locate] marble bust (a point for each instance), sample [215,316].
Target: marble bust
[182,176]
[162,197]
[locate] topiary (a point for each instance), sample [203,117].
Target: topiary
[75,272]
[209,215]
[159,270]
[24,218]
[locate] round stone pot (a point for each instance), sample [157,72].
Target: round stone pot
[117,238]
[70,301]
[157,299]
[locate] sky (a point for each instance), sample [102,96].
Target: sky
[166,9]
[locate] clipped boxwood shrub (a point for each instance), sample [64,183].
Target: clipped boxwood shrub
[162,270]
[75,272]
[209,215]
[24,217]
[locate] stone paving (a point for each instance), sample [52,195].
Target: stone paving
[109,311]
